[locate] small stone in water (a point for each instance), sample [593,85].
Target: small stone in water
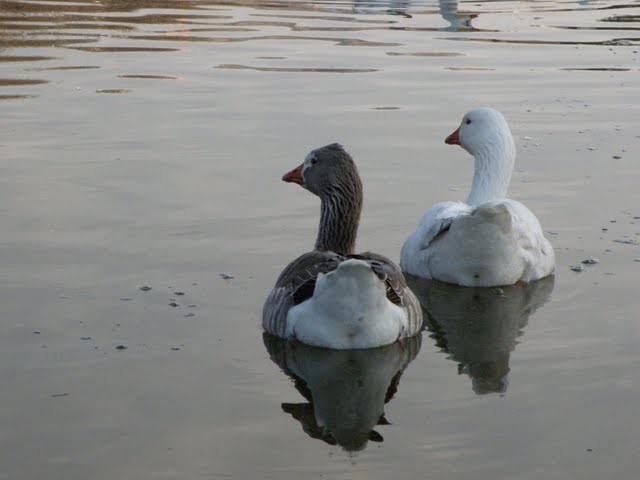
[616,157]
[174,304]
[178,293]
[226,276]
[590,261]
[577,268]
[121,347]
[145,288]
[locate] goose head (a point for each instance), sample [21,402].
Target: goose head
[324,170]
[485,134]
[330,173]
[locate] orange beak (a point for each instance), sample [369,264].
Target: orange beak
[454,138]
[294,176]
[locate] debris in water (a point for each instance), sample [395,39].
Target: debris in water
[226,276]
[56,395]
[178,293]
[37,332]
[175,349]
[616,157]
[590,261]
[592,148]
[190,314]
[626,241]
[174,304]
[85,338]
[145,288]
[121,347]
[577,268]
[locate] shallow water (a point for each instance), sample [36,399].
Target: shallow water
[142,143]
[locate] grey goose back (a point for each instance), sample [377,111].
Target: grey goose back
[331,297]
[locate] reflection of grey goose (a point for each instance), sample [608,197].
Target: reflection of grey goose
[490,240]
[479,327]
[345,390]
[330,297]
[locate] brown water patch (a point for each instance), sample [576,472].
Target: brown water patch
[425,54]
[296,70]
[114,90]
[622,18]
[71,67]
[38,28]
[124,49]
[595,69]
[32,43]
[470,69]
[624,42]
[17,58]
[15,97]
[13,82]
[150,77]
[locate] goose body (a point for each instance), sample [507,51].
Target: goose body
[490,240]
[331,297]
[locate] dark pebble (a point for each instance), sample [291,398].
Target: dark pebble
[145,288]
[617,157]
[121,347]
[590,261]
[174,304]
[85,338]
[178,293]
[226,276]
[175,349]
[189,314]
[37,332]
[577,268]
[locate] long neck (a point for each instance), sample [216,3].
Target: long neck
[339,217]
[493,168]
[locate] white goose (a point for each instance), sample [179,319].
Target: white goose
[330,297]
[489,240]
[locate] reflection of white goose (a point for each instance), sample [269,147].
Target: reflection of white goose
[346,390]
[479,327]
[490,240]
[458,21]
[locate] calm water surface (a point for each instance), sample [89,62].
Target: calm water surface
[142,143]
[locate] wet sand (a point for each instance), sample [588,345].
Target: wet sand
[143,144]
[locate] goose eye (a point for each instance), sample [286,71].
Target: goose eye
[314,161]
[468,121]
